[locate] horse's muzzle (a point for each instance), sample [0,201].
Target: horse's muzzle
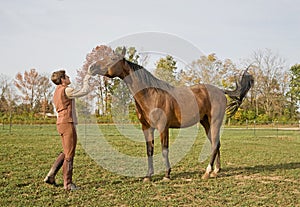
[94,69]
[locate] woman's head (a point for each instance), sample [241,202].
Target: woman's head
[60,77]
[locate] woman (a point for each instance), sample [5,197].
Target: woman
[64,102]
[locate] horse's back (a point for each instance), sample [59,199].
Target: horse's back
[216,94]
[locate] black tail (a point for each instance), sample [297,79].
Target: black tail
[237,96]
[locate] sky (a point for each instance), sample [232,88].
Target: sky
[52,34]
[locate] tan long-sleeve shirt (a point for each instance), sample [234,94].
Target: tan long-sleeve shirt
[72,93]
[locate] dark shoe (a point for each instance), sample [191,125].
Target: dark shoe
[67,173]
[50,180]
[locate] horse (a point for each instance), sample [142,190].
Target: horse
[161,106]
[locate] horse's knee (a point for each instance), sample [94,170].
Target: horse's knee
[165,152]
[150,148]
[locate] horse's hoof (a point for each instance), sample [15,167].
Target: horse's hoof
[205,176]
[213,175]
[147,180]
[166,179]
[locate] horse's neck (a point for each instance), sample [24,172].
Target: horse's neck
[135,86]
[141,84]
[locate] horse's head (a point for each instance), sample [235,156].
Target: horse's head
[108,64]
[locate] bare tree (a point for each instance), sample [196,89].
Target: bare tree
[4,80]
[210,70]
[45,91]
[33,88]
[271,82]
[8,98]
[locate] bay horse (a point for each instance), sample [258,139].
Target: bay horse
[161,106]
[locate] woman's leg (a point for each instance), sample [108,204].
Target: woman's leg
[69,141]
[50,178]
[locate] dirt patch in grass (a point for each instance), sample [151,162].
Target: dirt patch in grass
[263,178]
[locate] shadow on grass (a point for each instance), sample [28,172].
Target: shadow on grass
[187,174]
[233,171]
[196,174]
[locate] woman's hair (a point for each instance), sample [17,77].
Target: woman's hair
[57,76]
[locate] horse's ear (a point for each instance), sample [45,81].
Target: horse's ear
[123,51]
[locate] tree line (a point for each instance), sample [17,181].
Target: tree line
[275,95]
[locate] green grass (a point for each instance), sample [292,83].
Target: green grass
[258,169]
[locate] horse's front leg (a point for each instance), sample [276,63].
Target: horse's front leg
[164,138]
[149,138]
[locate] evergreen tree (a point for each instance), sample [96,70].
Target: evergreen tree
[165,70]
[294,92]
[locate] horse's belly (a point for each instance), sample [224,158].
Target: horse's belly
[185,122]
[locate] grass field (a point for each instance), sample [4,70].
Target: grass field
[258,169]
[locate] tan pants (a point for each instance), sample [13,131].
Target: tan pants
[69,141]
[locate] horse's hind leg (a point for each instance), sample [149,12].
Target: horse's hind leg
[213,133]
[205,123]
[216,143]
[218,162]
[215,147]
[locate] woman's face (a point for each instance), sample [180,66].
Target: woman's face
[66,81]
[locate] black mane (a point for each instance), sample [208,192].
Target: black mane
[147,79]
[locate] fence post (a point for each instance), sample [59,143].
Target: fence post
[277,128]
[254,127]
[10,122]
